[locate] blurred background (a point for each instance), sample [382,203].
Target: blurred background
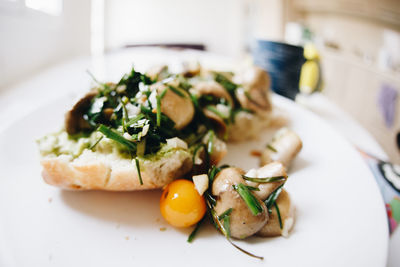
[354,43]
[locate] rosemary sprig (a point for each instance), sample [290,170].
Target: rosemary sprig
[265,179]
[250,200]
[116,137]
[138,171]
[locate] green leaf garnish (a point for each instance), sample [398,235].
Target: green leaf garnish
[266,179]
[250,200]
[116,137]
[138,171]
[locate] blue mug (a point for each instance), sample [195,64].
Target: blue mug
[283,62]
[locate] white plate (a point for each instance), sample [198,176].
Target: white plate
[341,219]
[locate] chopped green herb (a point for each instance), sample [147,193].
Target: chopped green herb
[176,91]
[227,225]
[225,213]
[225,82]
[116,137]
[272,148]
[217,112]
[252,188]
[95,144]
[138,170]
[223,228]
[163,93]
[158,111]
[279,214]
[266,179]
[250,200]
[194,232]
[134,120]
[269,202]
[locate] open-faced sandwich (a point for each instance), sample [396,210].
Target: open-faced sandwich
[148,130]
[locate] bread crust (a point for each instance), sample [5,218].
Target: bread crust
[97,171]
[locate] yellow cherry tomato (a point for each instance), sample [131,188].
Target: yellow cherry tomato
[181,205]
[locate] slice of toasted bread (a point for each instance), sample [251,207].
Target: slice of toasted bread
[109,171]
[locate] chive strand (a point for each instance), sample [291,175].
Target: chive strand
[265,179]
[138,171]
[95,144]
[279,214]
[250,200]
[273,149]
[194,232]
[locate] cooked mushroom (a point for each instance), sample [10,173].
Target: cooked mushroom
[179,108]
[158,72]
[191,69]
[212,88]
[255,92]
[286,211]
[274,169]
[217,121]
[285,145]
[74,121]
[242,222]
[218,149]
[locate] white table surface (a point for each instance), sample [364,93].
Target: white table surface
[70,78]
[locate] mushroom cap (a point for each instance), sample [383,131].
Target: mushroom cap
[256,83]
[286,210]
[272,169]
[242,222]
[74,121]
[217,121]
[178,108]
[212,88]
[287,145]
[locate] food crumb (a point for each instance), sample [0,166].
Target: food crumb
[50,199]
[126,237]
[162,229]
[255,153]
